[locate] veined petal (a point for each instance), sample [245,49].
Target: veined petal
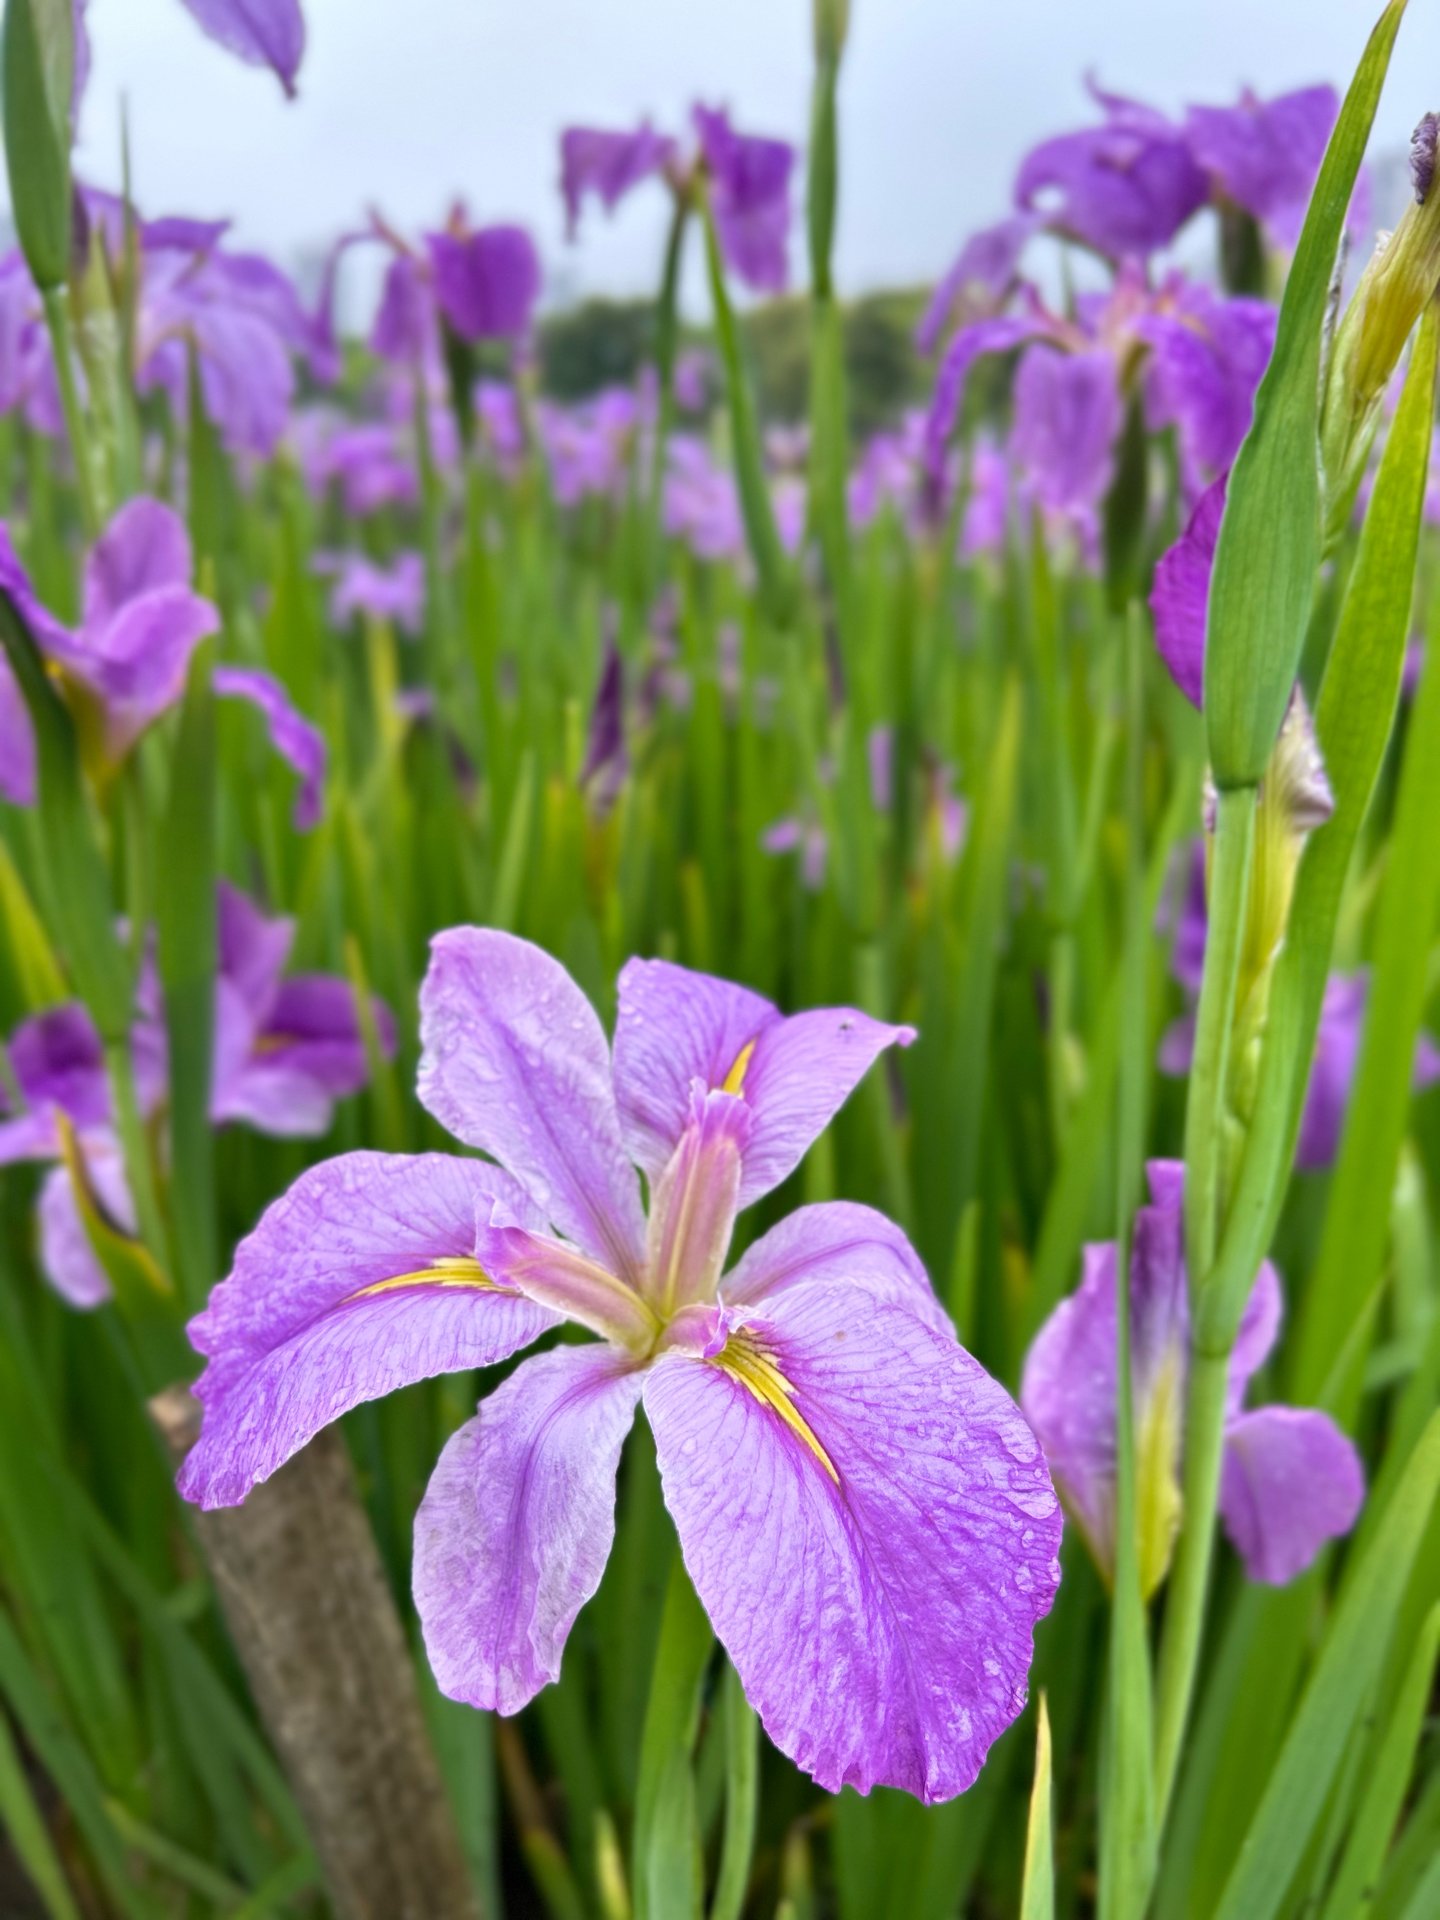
[836,1240]
[565,1281]
[67,1258]
[1290,1481]
[674,1027]
[516,1525]
[875,1559]
[360,1279]
[516,1064]
[692,1210]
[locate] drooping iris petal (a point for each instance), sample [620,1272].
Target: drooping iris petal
[836,1240]
[251,947]
[486,282]
[750,199]
[673,1027]
[308,1324]
[1181,594]
[396,592]
[516,1525]
[67,1258]
[1290,1481]
[263,33]
[515,1063]
[1265,154]
[1124,189]
[984,272]
[247,1085]
[1258,1331]
[404,326]
[607,165]
[1067,418]
[1000,334]
[881,1625]
[291,735]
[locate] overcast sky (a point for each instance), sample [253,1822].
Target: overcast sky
[405,103]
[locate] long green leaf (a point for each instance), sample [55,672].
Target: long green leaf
[1269,546]
[666,1870]
[1037,1899]
[28,1835]
[1354,1647]
[742,1774]
[1389,1778]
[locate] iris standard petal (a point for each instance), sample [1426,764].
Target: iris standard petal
[291,734]
[516,1525]
[837,1240]
[674,1027]
[362,1278]
[137,661]
[515,1063]
[1290,1481]
[145,547]
[875,1551]
[263,33]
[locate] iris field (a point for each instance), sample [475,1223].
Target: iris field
[900,967]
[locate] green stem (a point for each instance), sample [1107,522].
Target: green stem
[742,1770]
[1209,1070]
[139,1171]
[1190,1578]
[57,319]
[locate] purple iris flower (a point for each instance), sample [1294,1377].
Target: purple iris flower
[1068,414]
[127,661]
[606,760]
[1180,593]
[1207,356]
[701,506]
[403,330]
[590,447]
[980,280]
[864,1513]
[363,586]
[263,33]
[1290,1481]
[372,465]
[1124,189]
[285,1050]
[293,737]
[1264,154]
[607,165]
[750,198]
[486,282]
[1337,1039]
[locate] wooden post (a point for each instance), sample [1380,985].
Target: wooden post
[313,1620]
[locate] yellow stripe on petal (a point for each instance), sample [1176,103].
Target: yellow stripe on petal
[745,1360]
[459,1270]
[735,1078]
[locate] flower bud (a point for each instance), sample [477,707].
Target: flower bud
[832,24]
[1402,275]
[39,73]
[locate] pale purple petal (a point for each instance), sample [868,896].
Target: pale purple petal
[607,165]
[674,1027]
[984,272]
[263,33]
[1259,1330]
[1067,418]
[291,735]
[515,1063]
[564,1280]
[1177,1047]
[292,1337]
[404,326]
[517,1523]
[1001,334]
[137,662]
[1265,154]
[1124,189]
[1290,1481]
[836,1240]
[251,947]
[144,548]
[486,282]
[396,592]
[1207,359]
[881,1626]
[67,1258]
[1181,594]
[750,199]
